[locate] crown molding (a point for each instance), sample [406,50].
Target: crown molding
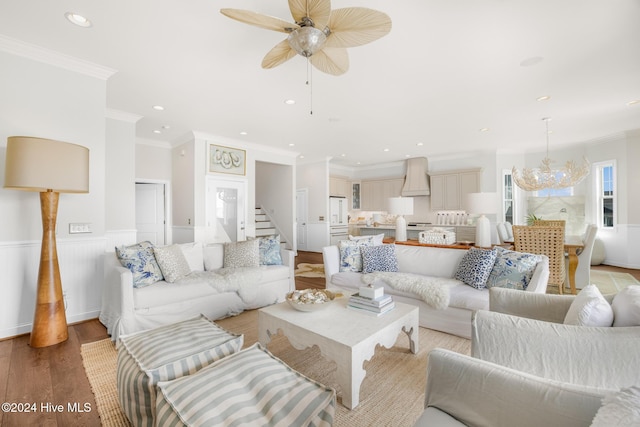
[123,116]
[57,59]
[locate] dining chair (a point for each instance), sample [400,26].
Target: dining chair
[550,222]
[583,272]
[544,240]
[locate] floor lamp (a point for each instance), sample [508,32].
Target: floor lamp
[401,206]
[49,167]
[482,204]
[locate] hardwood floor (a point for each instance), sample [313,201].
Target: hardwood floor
[56,375]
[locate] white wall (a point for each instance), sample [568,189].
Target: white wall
[274,191]
[315,178]
[120,172]
[53,102]
[153,160]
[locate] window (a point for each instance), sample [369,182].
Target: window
[556,192]
[605,193]
[508,197]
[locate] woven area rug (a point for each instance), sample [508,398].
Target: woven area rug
[392,393]
[309,270]
[608,282]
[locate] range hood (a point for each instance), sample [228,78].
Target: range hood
[416,182]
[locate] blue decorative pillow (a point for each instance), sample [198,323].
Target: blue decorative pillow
[269,248]
[140,259]
[475,267]
[512,269]
[351,254]
[379,258]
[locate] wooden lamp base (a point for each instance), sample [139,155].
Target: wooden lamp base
[49,320]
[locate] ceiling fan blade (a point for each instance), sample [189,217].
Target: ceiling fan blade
[259,20]
[318,10]
[282,52]
[355,26]
[333,61]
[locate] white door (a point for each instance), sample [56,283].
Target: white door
[301,218]
[226,210]
[150,214]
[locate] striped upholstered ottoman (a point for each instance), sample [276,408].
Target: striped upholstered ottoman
[249,388]
[163,354]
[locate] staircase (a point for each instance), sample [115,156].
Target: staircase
[264,227]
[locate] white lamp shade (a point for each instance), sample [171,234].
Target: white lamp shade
[38,164]
[400,205]
[482,203]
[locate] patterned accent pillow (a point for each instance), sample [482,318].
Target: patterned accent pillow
[172,262]
[139,258]
[379,258]
[351,255]
[269,249]
[241,254]
[512,269]
[475,267]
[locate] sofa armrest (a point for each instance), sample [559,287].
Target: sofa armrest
[117,296]
[331,259]
[480,393]
[540,277]
[289,259]
[549,308]
[604,357]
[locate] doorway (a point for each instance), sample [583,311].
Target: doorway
[226,210]
[302,197]
[151,218]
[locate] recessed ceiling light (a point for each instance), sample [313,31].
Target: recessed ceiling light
[291,144]
[534,60]
[166,127]
[243,133]
[634,102]
[343,155]
[407,155]
[78,20]
[290,101]
[157,131]
[385,150]
[301,156]
[158,107]
[420,144]
[484,129]
[543,98]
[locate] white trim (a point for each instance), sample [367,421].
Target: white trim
[57,59]
[123,116]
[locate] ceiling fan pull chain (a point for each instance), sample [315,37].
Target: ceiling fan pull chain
[310,84]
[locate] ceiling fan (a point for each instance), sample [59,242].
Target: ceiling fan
[319,33]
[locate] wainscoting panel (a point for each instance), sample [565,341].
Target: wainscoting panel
[81,272]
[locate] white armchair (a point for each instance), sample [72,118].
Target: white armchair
[583,276]
[505,232]
[463,391]
[525,332]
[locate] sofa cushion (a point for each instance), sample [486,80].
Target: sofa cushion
[269,250]
[379,258]
[172,262]
[241,254]
[191,287]
[213,256]
[194,254]
[512,269]
[351,254]
[626,307]
[589,308]
[475,267]
[140,259]
[621,409]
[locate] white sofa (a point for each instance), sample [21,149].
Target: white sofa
[209,289]
[433,262]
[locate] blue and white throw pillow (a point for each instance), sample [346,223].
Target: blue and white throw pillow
[379,258]
[351,254]
[269,249]
[512,269]
[475,267]
[140,259]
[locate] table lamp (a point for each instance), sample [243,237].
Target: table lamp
[49,167]
[401,206]
[482,204]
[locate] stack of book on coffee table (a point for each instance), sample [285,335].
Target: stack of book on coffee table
[371,302]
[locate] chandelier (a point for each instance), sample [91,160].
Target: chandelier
[545,176]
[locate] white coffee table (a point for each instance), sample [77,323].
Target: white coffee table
[344,336]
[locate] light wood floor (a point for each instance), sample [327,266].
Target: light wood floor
[55,374]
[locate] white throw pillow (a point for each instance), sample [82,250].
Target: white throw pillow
[589,308]
[619,410]
[626,307]
[377,238]
[213,255]
[193,253]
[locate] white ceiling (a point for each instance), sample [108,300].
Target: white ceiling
[447,69]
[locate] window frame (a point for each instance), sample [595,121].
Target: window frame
[598,170]
[503,186]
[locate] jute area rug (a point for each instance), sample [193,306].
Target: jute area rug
[392,393]
[309,270]
[608,282]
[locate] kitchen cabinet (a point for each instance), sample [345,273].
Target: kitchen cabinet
[449,189]
[375,193]
[339,187]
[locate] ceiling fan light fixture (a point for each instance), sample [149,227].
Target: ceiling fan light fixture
[307,40]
